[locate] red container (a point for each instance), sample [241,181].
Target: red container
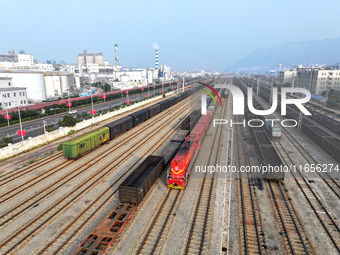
[198,132]
[205,119]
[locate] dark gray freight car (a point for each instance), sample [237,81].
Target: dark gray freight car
[140,116]
[180,136]
[120,126]
[168,153]
[138,183]
[165,104]
[189,122]
[154,109]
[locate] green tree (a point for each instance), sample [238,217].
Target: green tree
[5,141]
[49,128]
[68,121]
[107,87]
[55,107]
[331,102]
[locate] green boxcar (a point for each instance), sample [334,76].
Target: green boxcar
[80,145]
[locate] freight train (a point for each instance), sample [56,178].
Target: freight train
[317,115]
[181,164]
[272,127]
[81,145]
[184,159]
[325,140]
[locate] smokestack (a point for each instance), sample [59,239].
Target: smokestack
[156,59]
[116,55]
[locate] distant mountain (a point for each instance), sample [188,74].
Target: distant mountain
[290,54]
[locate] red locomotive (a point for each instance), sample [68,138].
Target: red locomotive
[184,159]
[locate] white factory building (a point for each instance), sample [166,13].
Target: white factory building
[133,77]
[40,85]
[11,96]
[317,80]
[94,68]
[33,81]
[58,83]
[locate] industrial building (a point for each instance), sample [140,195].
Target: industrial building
[33,81]
[93,68]
[58,83]
[90,58]
[50,80]
[11,96]
[318,80]
[40,85]
[16,61]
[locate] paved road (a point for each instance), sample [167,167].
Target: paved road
[36,127]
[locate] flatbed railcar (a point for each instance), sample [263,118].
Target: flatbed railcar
[81,145]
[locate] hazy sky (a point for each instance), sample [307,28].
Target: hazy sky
[191,34]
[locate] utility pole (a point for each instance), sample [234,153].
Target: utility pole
[271,91]
[183,84]
[92,105]
[69,103]
[7,116]
[44,123]
[22,136]
[300,120]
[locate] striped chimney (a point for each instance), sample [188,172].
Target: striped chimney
[156,59]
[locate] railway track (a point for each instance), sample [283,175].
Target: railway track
[12,176]
[158,230]
[293,236]
[47,190]
[326,220]
[276,189]
[54,170]
[196,240]
[327,179]
[251,235]
[22,235]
